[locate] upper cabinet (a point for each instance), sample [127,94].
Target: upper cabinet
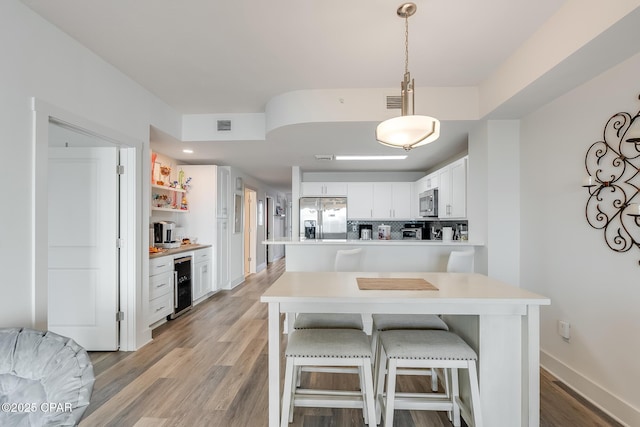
[322,189]
[222,210]
[452,190]
[379,200]
[392,200]
[360,200]
[423,184]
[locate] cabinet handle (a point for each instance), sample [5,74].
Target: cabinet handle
[160,266]
[158,309]
[161,285]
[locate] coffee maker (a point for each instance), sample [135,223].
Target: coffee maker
[163,234]
[309,229]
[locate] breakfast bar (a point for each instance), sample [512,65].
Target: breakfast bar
[500,321]
[377,255]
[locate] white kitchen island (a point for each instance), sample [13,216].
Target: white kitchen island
[377,255]
[501,322]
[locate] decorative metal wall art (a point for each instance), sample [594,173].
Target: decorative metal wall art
[613,182]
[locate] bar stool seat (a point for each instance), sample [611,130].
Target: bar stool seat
[328,347]
[328,321]
[427,349]
[386,322]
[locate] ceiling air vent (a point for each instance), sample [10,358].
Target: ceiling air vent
[324,156]
[224,125]
[394,102]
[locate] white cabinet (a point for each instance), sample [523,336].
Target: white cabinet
[379,200]
[323,189]
[160,289]
[222,191]
[222,255]
[392,200]
[452,190]
[202,273]
[360,200]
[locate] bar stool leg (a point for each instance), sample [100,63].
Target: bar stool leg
[381,367]
[475,394]
[287,395]
[369,400]
[391,392]
[455,395]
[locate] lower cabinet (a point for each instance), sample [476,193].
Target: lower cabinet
[202,273]
[160,289]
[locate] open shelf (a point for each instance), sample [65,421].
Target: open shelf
[164,187]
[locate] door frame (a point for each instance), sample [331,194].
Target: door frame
[250,230]
[131,219]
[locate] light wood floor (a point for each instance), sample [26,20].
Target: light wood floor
[209,368]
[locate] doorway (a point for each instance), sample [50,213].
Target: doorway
[250,231]
[268,221]
[65,221]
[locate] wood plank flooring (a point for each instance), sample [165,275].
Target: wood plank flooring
[209,368]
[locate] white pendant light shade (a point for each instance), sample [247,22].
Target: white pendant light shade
[408,131]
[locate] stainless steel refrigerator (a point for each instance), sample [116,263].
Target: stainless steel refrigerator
[323,217]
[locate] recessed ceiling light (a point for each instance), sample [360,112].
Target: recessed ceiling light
[186,150]
[400,157]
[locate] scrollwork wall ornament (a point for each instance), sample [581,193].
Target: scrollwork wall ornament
[613,182]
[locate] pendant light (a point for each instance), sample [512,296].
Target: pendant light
[409,130]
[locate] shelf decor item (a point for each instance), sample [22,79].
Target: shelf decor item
[613,182]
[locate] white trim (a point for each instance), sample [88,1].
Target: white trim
[612,405]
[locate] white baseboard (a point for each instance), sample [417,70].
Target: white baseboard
[612,405]
[261,267]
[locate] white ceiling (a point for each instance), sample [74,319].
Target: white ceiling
[208,56]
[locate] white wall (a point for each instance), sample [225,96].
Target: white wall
[41,61]
[594,288]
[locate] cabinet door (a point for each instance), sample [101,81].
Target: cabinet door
[323,189]
[359,200]
[202,280]
[223,192]
[444,193]
[401,200]
[382,200]
[312,189]
[222,256]
[335,189]
[458,195]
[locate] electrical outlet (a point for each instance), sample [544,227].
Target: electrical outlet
[564,329]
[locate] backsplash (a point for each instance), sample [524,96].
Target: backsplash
[397,226]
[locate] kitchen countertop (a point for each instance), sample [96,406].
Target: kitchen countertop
[372,242]
[181,249]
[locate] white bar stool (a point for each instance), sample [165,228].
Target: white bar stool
[387,322]
[328,348]
[427,349]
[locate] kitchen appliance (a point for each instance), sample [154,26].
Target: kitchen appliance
[164,235]
[384,232]
[182,290]
[365,231]
[323,217]
[428,203]
[309,229]
[415,231]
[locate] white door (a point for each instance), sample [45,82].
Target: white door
[83,254]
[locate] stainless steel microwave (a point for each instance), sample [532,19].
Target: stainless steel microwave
[429,203]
